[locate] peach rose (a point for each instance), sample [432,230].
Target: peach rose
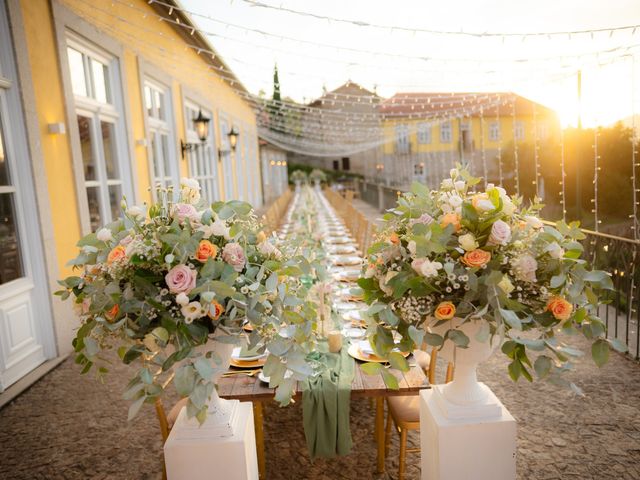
[560,308]
[445,311]
[451,218]
[206,250]
[215,310]
[117,254]
[112,313]
[393,238]
[261,237]
[476,258]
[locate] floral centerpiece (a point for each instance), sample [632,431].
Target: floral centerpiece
[157,286]
[317,176]
[458,257]
[299,177]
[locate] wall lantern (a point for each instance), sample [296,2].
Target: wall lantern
[201,124]
[233,141]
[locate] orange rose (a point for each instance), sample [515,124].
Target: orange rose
[451,218]
[116,254]
[445,311]
[476,258]
[560,308]
[215,310]
[393,238]
[261,236]
[112,313]
[206,250]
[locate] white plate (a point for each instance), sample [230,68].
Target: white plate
[265,379]
[353,315]
[236,355]
[354,333]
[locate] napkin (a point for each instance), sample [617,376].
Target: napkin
[326,401]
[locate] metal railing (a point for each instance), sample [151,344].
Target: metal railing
[613,254]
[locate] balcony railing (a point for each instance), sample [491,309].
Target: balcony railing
[613,254]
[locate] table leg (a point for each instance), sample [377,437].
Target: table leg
[258,421]
[380,432]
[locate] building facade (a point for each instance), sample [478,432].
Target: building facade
[426,134]
[97,100]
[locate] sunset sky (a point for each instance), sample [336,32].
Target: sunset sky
[322,52]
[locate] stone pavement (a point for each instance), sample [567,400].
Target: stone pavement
[69,426]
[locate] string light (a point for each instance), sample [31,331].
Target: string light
[563,196]
[515,147]
[484,153]
[500,176]
[596,176]
[536,155]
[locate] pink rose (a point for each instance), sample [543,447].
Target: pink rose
[183,211]
[424,218]
[233,254]
[181,279]
[500,233]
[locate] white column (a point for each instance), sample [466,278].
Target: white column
[476,442]
[213,451]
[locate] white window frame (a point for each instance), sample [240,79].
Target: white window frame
[402,138]
[542,130]
[424,133]
[99,112]
[446,132]
[518,131]
[494,131]
[203,164]
[156,128]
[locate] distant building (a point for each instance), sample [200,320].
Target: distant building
[423,142]
[345,119]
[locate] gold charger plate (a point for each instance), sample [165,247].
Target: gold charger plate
[338,240]
[250,364]
[346,276]
[355,352]
[346,260]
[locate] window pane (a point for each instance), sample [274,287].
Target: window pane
[4,168]
[109,146]
[86,147]
[76,68]
[10,261]
[157,173]
[115,198]
[148,101]
[100,81]
[164,144]
[159,101]
[94,208]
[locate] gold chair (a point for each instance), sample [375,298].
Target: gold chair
[404,412]
[167,422]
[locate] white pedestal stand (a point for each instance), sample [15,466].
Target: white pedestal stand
[465,431]
[213,451]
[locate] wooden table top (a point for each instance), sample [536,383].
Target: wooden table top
[246,389]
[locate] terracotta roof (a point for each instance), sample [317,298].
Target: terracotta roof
[343,92]
[422,104]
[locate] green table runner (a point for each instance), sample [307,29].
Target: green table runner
[326,401]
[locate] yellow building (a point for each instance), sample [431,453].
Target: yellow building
[426,134]
[97,100]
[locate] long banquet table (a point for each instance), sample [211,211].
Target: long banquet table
[250,389]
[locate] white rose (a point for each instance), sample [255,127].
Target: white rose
[455,201]
[447,184]
[219,229]
[505,285]
[507,206]
[169,258]
[182,299]
[135,212]
[411,246]
[460,185]
[190,190]
[525,267]
[468,242]
[533,222]
[454,172]
[555,250]
[104,235]
[446,208]
[268,249]
[425,267]
[485,205]
[500,233]
[192,311]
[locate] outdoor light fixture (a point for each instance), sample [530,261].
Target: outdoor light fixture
[201,124]
[233,141]
[379,167]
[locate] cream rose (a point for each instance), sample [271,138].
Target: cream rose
[189,190]
[468,242]
[555,250]
[525,267]
[425,267]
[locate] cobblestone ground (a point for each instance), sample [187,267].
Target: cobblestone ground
[69,426]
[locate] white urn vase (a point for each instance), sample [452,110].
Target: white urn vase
[465,390]
[316,184]
[221,413]
[297,183]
